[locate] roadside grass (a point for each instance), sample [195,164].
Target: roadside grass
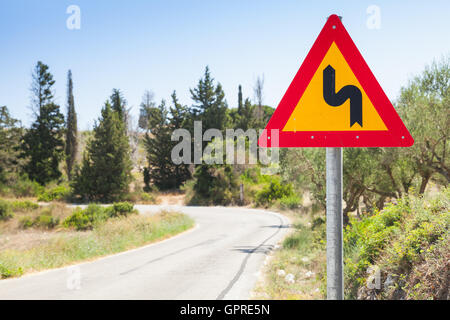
[111,236]
[408,241]
[302,254]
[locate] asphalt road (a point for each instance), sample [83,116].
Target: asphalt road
[218,259]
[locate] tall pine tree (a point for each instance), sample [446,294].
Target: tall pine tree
[119,104]
[158,147]
[179,119]
[105,174]
[43,143]
[71,130]
[10,139]
[146,106]
[161,171]
[211,107]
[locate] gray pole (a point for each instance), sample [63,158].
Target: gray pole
[335,264]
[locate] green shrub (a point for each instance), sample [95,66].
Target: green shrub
[6,272]
[251,175]
[395,239]
[24,206]
[78,220]
[56,193]
[86,219]
[273,191]
[147,197]
[121,209]
[46,221]
[290,202]
[213,185]
[26,222]
[26,188]
[5,210]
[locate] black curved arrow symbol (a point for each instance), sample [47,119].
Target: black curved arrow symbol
[335,99]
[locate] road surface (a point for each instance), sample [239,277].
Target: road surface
[220,258]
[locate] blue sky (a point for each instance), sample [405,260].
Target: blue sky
[165,45]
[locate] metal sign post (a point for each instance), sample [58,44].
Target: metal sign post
[335,263]
[313,113]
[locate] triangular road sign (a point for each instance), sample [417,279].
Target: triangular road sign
[335,101]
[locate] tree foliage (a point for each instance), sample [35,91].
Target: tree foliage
[43,143]
[106,167]
[10,140]
[72,130]
[146,107]
[161,171]
[424,106]
[210,105]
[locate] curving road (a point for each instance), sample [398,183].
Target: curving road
[218,259]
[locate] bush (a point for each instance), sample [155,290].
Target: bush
[139,196]
[26,222]
[6,272]
[121,209]
[5,210]
[213,185]
[86,219]
[94,214]
[56,193]
[290,202]
[24,206]
[273,191]
[397,240]
[26,188]
[45,220]
[147,197]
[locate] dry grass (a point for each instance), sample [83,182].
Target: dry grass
[44,250]
[300,256]
[14,228]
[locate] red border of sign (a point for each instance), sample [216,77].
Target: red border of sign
[397,134]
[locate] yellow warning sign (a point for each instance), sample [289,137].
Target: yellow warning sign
[322,106]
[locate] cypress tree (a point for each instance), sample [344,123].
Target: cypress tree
[71,130]
[105,174]
[43,143]
[240,100]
